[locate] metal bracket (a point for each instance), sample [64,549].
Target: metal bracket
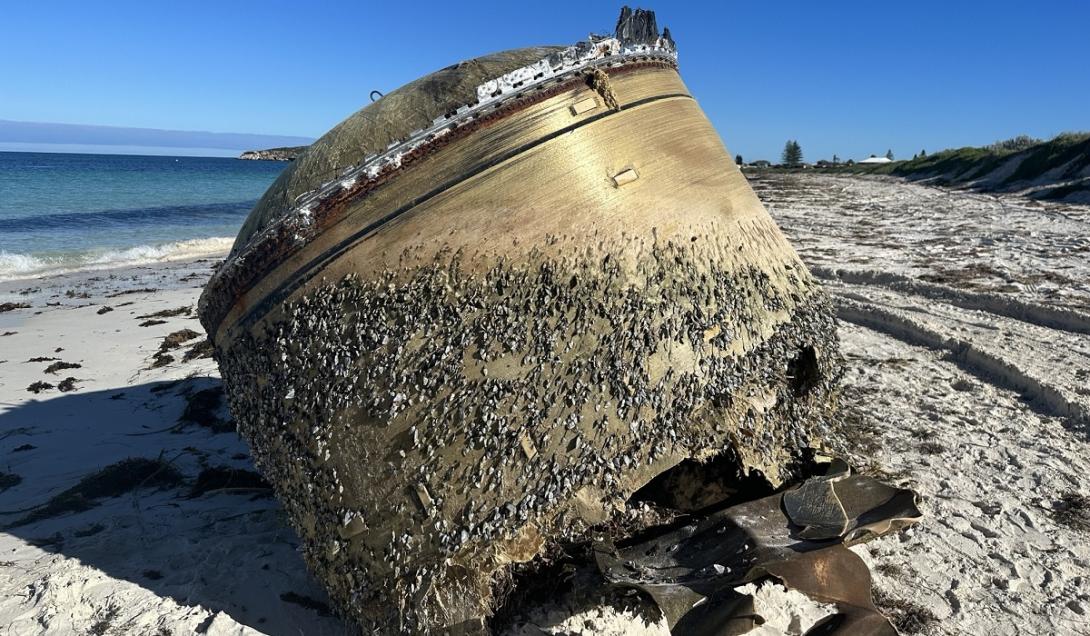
[584,106]
[625,176]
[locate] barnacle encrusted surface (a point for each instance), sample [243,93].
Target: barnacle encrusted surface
[428,425]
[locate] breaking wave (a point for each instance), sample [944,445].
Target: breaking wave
[16,266]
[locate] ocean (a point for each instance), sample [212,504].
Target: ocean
[60,212]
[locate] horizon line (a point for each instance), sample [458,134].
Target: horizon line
[30,133]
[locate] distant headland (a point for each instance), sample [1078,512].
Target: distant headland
[286,153]
[22,136]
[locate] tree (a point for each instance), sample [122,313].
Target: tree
[923,153]
[738,159]
[792,154]
[889,154]
[836,160]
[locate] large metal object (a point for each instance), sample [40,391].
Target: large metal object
[477,315]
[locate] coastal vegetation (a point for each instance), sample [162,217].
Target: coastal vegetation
[1056,169]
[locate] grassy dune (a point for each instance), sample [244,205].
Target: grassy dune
[1055,169]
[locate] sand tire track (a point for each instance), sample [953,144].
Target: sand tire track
[987,366]
[1041,315]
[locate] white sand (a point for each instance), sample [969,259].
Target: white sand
[990,420]
[154,562]
[987,420]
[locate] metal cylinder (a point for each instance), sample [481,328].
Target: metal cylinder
[447,364]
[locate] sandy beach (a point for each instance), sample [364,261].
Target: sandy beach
[164,557]
[965,319]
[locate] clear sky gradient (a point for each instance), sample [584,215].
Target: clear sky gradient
[845,77]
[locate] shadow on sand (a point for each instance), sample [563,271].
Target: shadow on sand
[228,550]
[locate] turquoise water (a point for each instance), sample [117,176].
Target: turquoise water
[65,211]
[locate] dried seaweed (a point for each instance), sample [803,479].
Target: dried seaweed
[114,480]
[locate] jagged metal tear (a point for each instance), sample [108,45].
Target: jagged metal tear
[691,572]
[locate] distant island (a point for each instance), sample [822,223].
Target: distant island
[286,153]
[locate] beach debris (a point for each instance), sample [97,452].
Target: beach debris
[1072,509]
[8,333]
[39,386]
[55,541]
[42,359]
[169,313]
[225,478]
[834,505]
[907,617]
[60,366]
[160,359]
[9,480]
[89,531]
[702,572]
[177,338]
[18,430]
[204,407]
[125,292]
[931,447]
[105,309]
[67,385]
[798,537]
[114,480]
[104,619]
[24,447]
[5,307]
[152,323]
[202,349]
[483,388]
[309,603]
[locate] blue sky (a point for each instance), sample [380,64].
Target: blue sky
[851,78]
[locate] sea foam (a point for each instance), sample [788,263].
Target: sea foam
[15,266]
